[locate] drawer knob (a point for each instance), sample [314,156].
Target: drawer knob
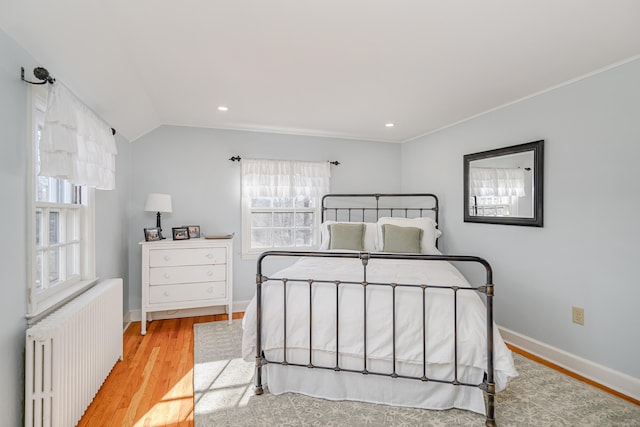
[167,257]
[209,255]
[210,289]
[209,273]
[166,275]
[166,294]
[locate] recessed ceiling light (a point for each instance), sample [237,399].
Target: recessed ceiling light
[389,125]
[223,108]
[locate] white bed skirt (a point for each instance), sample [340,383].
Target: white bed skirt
[330,385]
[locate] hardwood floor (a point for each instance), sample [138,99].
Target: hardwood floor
[153,385]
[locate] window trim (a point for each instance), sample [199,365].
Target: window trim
[40,303]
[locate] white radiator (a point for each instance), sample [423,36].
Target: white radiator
[70,353]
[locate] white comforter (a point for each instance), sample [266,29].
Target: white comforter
[471,315]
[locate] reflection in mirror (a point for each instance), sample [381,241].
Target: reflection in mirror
[504,186]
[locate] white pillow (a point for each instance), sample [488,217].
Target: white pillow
[429,232]
[370,232]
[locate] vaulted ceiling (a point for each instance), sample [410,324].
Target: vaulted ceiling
[341,68]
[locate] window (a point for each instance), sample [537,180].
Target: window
[61,233]
[281,204]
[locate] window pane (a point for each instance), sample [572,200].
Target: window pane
[54,227]
[38,279]
[65,191]
[73,225]
[261,202]
[261,219]
[283,219]
[42,190]
[304,219]
[283,238]
[282,202]
[261,238]
[304,202]
[56,190]
[39,240]
[54,265]
[303,237]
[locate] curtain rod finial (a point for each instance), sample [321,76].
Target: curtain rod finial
[40,73]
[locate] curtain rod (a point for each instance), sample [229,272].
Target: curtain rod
[42,74]
[238,158]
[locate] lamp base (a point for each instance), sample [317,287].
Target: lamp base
[159,225]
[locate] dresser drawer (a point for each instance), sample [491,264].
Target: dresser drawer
[187,256]
[186,292]
[187,274]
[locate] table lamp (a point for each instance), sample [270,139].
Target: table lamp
[157,202]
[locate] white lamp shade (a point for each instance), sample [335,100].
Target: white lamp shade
[157,202]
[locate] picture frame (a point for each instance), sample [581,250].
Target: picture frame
[194,231]
[152,234]
[180,233]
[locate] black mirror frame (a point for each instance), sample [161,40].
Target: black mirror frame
[538,168]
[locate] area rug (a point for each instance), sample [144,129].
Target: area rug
[540,396]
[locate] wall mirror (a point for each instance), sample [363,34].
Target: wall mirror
[504,186]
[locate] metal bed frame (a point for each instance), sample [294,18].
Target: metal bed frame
[487,385]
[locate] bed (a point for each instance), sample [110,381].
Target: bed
[379,314]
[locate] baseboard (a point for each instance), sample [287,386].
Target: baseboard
[618,381]
[135,316]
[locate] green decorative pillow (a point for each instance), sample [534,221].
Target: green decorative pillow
[401,239]
[346,236]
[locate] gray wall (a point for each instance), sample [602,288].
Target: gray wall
[587,253]
[192,165]
[111,219]
[112,223]
[13,187]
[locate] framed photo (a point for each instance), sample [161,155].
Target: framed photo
[180,233]
[151,234]
[194,231]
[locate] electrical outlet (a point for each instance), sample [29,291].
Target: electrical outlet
[577,315]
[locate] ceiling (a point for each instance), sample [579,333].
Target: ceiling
[341,68]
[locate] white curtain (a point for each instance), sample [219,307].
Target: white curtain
[497,182]
[76,144]
[284,178]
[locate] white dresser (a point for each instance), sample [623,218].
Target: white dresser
[179,274]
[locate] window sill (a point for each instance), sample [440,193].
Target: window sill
[57,300]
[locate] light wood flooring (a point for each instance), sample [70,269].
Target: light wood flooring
[153,385]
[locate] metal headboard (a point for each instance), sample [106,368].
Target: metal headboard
[370,207]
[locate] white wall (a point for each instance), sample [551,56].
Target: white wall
[587,253]
[111,220]
[193,165]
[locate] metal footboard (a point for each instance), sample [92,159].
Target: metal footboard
[487,385]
